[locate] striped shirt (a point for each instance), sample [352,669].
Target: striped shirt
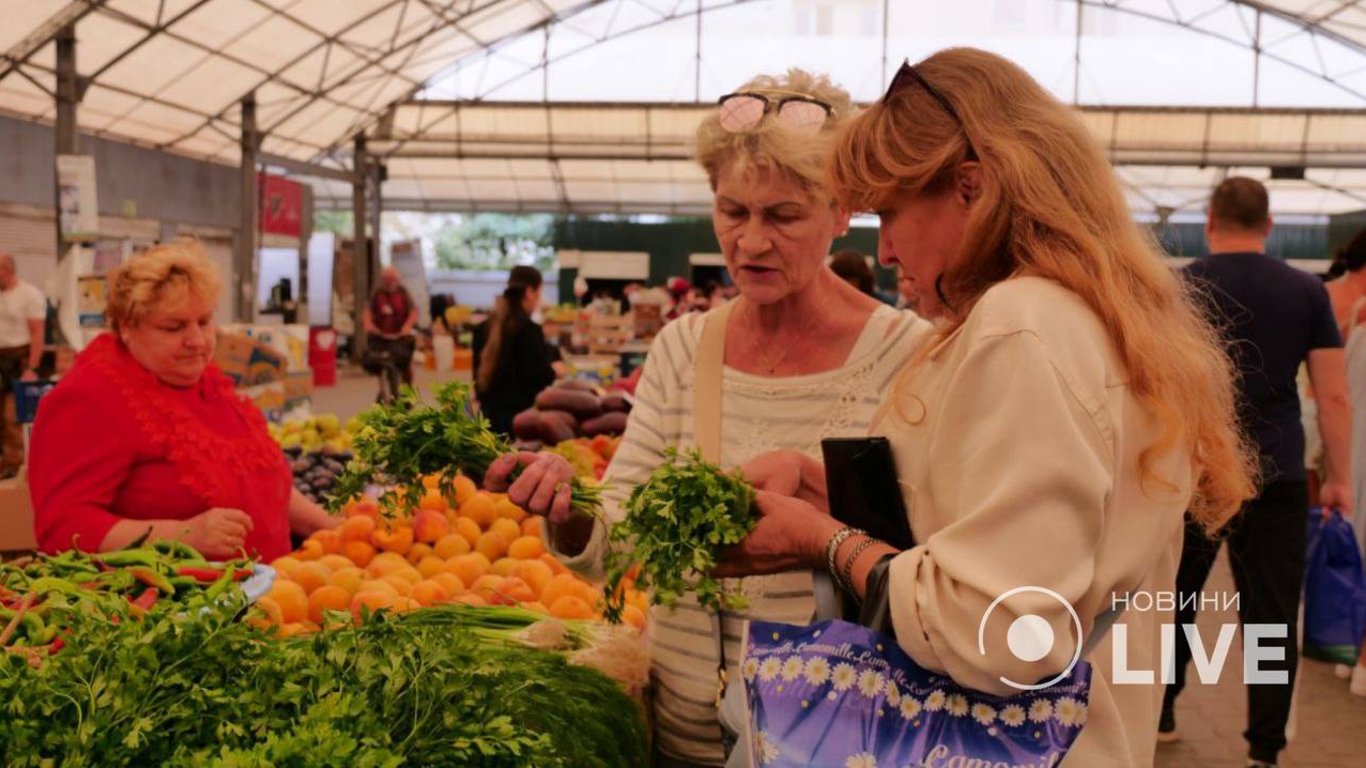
[758,415]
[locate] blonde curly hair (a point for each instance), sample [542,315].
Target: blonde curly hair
[770,146]
[164,275]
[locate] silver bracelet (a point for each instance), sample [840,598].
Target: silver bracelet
[847,572]
[832,549]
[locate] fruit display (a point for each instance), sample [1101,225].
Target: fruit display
[315,474]
[324,432]
[589,457]
[570,409]
[471,548]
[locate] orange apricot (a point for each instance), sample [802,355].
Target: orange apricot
[358,528]
[327,598]
[330,540]
[429,593]
[533,526]
[360,553]
[535,573]
[420,551]
[398,539]
[571,607]
[291,599]
[333,562]
[450,545]
[505,508]
[464,489]
[526,548]
[430,566]
[449,582]
[508,528]
[429,526]
[469,529]
[480,509]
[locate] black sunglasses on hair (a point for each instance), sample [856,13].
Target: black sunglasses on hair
[907,76]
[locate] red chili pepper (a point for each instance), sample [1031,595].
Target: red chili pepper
[55,645]
[152,579]
[210,575]
[146,600]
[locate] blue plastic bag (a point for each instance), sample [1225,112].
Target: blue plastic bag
[841,695]
[1334,590]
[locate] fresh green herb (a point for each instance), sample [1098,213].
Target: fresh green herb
[192,687]
[676,526]
[408,440]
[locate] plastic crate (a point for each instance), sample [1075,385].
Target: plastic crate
[26,397]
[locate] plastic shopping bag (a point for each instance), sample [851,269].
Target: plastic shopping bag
[1334,590]
[839,694]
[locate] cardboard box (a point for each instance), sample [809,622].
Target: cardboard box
[298,389]
[270,398]
[248,361]
[16,516]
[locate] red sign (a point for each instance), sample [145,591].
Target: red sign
[282,205]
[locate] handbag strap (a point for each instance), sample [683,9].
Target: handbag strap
[708,370]
[1352,317]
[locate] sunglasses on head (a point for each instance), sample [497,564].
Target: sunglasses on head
[742,112]
[907,77]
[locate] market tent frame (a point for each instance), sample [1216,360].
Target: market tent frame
[437,88]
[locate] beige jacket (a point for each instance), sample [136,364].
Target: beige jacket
[1017,444]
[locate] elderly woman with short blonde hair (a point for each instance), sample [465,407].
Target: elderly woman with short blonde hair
[146,435]
[799,356]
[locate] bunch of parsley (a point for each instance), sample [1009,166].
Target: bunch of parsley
[403,442]
[196,688]
[677,525]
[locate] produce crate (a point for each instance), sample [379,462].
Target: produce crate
[26,397]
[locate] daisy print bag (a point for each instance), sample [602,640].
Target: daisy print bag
[841,695]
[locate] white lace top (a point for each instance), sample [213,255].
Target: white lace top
[758,415]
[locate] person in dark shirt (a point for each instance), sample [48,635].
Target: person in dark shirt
[511,364]
[1273,317]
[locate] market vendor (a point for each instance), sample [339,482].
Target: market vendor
[146,435]
[1070,407]
[801,355]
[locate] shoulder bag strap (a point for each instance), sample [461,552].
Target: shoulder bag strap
[707,373]
[1352,317]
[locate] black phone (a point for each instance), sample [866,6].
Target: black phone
[860,476]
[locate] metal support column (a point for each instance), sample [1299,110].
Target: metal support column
[360,252]
[69,92]
[245,262]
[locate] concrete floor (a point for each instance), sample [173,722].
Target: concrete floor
[1329,729]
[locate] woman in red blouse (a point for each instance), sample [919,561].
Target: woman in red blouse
[146,434]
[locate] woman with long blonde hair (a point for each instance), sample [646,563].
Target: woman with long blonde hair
[1070,407]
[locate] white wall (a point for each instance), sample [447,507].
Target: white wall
[480,289]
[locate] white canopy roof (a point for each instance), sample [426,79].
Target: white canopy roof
[1179,91]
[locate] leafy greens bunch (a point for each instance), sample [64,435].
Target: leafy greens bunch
[677,525]
[407,440]
[196,688]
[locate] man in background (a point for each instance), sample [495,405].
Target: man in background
[1273,317]
[23,311]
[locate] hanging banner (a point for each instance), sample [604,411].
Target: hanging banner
[77,212]
[282,205]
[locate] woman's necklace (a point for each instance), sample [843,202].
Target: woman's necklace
[771,362]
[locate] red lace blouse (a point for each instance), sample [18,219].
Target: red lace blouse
[112,442]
